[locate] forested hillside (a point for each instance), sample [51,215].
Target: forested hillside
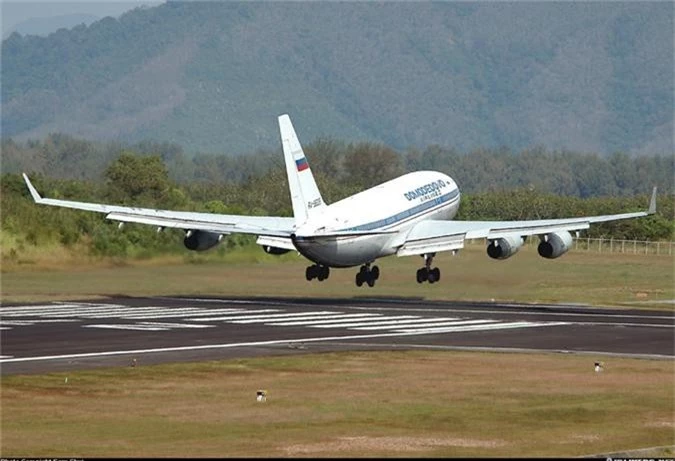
[213,76]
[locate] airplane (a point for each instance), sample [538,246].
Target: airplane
[409,215]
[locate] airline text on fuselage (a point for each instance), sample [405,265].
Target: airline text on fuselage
[434,186]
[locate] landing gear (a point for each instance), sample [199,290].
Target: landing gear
[427,274]
[368,275]
[316,271]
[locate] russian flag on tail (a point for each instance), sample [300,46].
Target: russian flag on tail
[302,164]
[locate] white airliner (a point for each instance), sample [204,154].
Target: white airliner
[409,215]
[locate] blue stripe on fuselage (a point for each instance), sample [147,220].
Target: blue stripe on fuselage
[406,214]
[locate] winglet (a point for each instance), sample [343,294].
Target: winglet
[31,188]
[652,202]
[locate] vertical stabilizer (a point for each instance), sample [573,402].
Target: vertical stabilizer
[305,195]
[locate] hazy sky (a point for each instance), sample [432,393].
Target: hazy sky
[15,11]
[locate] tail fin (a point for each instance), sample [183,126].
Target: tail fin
[305,195]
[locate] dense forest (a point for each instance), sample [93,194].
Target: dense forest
[497,184]
[212,76]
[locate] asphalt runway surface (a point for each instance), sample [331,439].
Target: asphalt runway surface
[122,331]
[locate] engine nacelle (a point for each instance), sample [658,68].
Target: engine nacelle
[505,247]
[554,245]
[274,250]
[201,240]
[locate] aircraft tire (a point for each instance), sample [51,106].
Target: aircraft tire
[370,280]
[359,279]
[375,272]
[422,275]
[437,274]
[309,273]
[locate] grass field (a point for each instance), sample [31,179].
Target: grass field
[412,403]
[577,277]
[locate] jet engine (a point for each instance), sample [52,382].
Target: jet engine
[274,250]
[554,245]
[505,247]
[201,240]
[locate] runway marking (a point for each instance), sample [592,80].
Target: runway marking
[6,356]
[497,326]
[148,326]
[213,346]
[349,317]
[393,321]
[20,323]
[423,323]
[445,308]
[364,317]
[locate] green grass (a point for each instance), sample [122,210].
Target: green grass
[577,277]
[413,403]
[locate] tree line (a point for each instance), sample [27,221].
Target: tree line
[362,164]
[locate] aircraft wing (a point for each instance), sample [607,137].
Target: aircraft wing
[435,236]
[188,220]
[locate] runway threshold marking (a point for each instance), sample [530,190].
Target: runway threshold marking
[225,346]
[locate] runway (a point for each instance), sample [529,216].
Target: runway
[120,331]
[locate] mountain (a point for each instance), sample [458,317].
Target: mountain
[47,25]
[213,76]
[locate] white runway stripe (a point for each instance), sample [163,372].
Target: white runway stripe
[18,323]
[208,312]
[175,325]
[424,323]
[370,322]
[57,307]
[126,327]
[5,328]
[6,356]
[298,318]
[106,311]
[73,312]
[498,326]
[235,315]
[270,316]
[328,319]
[11,309]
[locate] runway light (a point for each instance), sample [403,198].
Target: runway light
[598,367]
[261,395]
[133,363]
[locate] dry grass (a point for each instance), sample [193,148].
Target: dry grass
[577,277]
[413,403]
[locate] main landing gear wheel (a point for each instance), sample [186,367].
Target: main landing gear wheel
[427,274]
[367,275]
[318,272]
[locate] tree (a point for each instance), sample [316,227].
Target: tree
[131,177]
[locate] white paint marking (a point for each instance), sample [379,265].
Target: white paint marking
[498,326]
[5,328]
[175,325]
[211,346]
[330,319]
[126,327]
[228,317]
[18,323]
[6,356]
[301,319]
[392,319]
[258,318]
[424,323]
[206,312]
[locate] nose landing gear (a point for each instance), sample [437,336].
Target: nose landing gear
[426,273]
[368,275]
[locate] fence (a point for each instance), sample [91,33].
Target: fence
[600,245]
